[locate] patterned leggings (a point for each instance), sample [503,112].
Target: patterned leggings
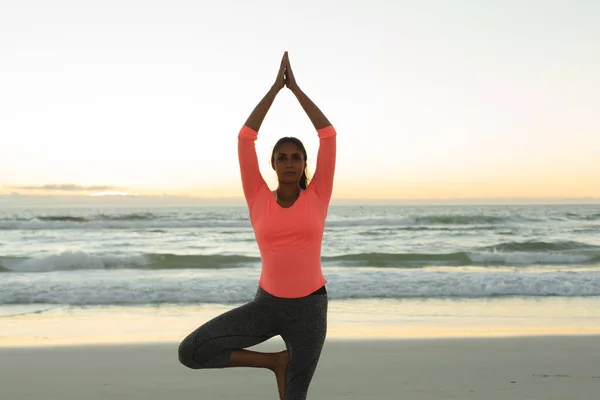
[301,322]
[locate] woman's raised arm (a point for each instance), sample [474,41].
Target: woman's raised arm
[325,171]
[252,180]
[318,119]
[257,117]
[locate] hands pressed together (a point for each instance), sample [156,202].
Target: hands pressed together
[285,76]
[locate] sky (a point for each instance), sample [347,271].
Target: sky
[431,99]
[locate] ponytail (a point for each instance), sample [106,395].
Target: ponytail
[303,180]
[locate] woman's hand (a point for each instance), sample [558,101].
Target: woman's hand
[290,79]
[255,119]
[316,116]
[280,80]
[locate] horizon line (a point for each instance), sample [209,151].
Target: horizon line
[230,200]
[191,196]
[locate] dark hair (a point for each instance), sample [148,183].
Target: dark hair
[297,142]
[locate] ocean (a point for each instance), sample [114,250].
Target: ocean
[208,255]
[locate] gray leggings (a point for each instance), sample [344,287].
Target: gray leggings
[301,322]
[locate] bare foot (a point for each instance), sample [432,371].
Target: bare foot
[280,369]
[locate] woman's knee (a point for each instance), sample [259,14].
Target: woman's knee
[201,349]
[187,353]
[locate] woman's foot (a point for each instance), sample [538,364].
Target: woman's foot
[281,363]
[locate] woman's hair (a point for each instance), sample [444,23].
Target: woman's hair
[297,142]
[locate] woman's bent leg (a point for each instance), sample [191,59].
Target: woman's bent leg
[211,344]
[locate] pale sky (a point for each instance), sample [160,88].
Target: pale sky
[430,99]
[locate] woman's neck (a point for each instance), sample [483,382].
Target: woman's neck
[288,191]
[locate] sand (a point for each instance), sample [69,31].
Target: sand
[554,367]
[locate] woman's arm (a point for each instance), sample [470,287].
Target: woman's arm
[257,117]
[252,179]
[325,171]
[259,113]
[318,119]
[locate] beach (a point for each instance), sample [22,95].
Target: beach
[376,349]
[556,367]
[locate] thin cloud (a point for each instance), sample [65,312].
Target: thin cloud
[67,188]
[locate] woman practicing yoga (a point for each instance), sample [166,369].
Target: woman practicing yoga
[288,223]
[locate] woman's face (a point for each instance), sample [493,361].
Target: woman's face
[288,163]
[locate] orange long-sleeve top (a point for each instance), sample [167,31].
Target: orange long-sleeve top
[289,239]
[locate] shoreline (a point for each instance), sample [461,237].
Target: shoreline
[375,319]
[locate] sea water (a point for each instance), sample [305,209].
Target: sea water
[74,257]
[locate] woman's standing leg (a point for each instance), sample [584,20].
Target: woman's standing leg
[304,332]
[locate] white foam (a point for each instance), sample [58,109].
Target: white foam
[151,287]
[79,260]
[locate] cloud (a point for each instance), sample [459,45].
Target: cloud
[67,187]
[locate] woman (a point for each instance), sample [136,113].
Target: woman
[288,223]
